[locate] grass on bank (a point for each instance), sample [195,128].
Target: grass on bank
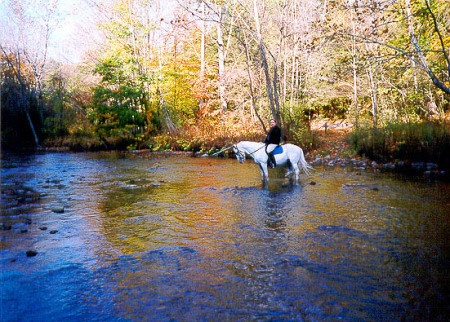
[185,140]
[215,142]
[410,142]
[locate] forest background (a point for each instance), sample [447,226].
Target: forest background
[192,75]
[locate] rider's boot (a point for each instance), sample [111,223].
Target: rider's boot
[272,163]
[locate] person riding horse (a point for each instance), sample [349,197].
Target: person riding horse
[273,139]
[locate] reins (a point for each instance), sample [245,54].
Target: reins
[257,149]
[214,154]
[230,147]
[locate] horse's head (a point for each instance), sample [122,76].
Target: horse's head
[240,155]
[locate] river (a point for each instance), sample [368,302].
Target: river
[115,236]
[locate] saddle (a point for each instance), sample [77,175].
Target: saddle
[277,150]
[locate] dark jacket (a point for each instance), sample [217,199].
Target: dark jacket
[274,136]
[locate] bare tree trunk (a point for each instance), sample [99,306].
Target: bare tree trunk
[285,71]
[355,92]
[36,140]
[275,91]
[293,78]
[421,59]
[441,40]
[411,33]
[202,49]
[264,62]
[247,60]
[355,84]
[373,84]
[201,102]
[25,104]
[24,99]
[162,103]
[223,102]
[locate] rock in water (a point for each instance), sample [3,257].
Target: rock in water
[31,253]
[58,209]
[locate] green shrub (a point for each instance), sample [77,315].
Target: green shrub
[426,141]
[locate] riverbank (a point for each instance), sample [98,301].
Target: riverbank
[335,149]
[391,149]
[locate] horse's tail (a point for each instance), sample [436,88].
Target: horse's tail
[303,164]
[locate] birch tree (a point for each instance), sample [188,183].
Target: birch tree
[26,35]
[275,109]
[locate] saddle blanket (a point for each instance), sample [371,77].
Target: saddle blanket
[278,150]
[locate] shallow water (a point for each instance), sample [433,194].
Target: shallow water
[181,238]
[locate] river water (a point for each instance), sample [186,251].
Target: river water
[151,237]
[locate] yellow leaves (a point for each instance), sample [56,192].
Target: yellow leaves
[16,68]
[446,41]
[122,5]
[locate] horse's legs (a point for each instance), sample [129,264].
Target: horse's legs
[297,171]
[264,171]
[289,172]
[261,170]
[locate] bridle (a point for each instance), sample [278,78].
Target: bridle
[239,154]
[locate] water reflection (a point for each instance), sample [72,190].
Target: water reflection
[184,238]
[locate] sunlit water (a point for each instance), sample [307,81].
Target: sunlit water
[182,238]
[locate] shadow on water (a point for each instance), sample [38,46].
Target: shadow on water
[176,238]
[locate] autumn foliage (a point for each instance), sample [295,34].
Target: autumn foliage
[198,75]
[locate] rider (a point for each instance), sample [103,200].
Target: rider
[273,139]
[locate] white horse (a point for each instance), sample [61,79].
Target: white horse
[292,155]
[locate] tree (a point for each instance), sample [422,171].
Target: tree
[17,77]
[426,46]
[419,55]
[272,91]
[28,31]
[66,90]
[25,40]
